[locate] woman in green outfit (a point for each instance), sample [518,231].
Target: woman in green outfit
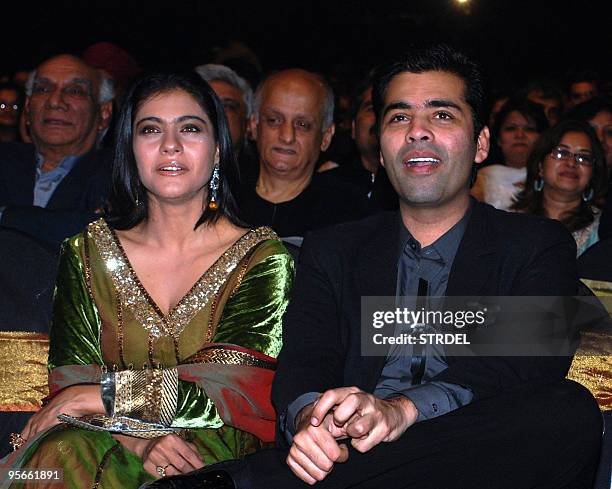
[167,313]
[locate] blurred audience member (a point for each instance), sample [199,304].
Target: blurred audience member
[566,174]
[498,100]
[364,171]
[51,189]
[292,122]
[116,62]
[581,86]
[11,103]
[518,125]
[236,96]
[549,96]
[598,113]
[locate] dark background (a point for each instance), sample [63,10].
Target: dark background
[514,40]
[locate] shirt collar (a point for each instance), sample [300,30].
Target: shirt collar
[446,245]
[65,165]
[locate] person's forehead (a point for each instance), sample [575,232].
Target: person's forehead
[417,88]
[66,69]
[224,89]
[294,95]
[171,104]
[8,94]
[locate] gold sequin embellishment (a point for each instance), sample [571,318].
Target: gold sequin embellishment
[133,295]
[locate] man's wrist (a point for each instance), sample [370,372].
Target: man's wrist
[406,413]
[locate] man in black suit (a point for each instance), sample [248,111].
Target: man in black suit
[51,189]
[406,419]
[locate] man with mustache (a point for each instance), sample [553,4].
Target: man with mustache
[404,419]
[50,189]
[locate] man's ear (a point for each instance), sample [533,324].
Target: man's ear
[482,145]
[328,134]
[380,157]
[253,123]
[106,113]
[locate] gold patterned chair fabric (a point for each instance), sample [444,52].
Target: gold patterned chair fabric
[23,370]
[23,365]
[592,364]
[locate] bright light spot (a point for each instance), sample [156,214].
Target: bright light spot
[462,1]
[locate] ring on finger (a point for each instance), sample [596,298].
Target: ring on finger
[161,470]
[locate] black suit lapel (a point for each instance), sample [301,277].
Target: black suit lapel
[376,275]
[71,186]
[18,176]
[475,257]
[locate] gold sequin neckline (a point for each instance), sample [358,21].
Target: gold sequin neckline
[133,295]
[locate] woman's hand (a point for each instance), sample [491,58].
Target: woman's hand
[76,400]
[173,454]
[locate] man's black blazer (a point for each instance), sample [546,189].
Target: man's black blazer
[500,254]
[72,205]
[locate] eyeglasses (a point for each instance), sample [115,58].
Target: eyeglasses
[583,159]
[12,107]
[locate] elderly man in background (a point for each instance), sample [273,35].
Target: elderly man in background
[292,123]
[52,188]
[237,97]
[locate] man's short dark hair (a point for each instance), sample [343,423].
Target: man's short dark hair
[440,57]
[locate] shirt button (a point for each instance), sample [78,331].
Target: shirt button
[413,245]
[435,407]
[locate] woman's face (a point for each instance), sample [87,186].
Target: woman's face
[516,136]
[174,146]
[565,176]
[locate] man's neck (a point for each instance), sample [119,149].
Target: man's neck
[277,188]
[427,224]
[52,157]
[370,163]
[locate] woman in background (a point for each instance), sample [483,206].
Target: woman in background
[566,176]
[518,125]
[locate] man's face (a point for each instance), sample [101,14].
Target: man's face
[62,111]
[581,92]
[427,138]
[235,110]
[9,111]
[363,125]
[289,131]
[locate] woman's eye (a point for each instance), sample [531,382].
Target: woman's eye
[148,130]
[191,128]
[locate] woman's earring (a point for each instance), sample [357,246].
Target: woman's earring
[587,196]
[214,186]
[538,184]
[137,199]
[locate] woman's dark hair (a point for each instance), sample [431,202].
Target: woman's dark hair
[128,203]
[531,202]
[534,113]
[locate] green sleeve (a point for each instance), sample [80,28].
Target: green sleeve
[252,318]
[75,326]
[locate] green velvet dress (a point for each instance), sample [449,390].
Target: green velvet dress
[104,320]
